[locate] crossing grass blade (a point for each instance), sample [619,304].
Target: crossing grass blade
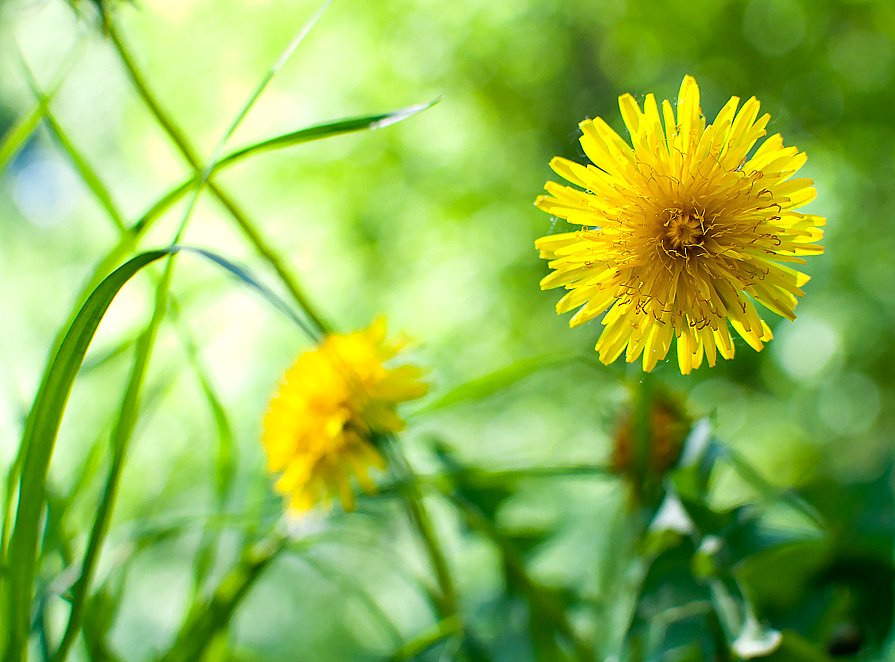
[18,135]
[14,139]
[88,174]
[351,587]
[248,228]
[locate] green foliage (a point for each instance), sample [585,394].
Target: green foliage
[138,520]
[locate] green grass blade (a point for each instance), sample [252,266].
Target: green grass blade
[494,382]
[269,295]
[321,131]
[18,135]
[354,588]
[263,83]
[120,442]
[305,135]
[446,601]
[89,176]
[9,492]
[127,420]
[39,439]
[541,604]
[769,493]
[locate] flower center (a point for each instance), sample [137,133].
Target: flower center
[681,231]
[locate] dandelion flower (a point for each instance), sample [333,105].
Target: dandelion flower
[319,427]
[682,231]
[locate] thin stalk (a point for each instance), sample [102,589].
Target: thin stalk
[349,587]
[536,595]
[446,601]
[188,152]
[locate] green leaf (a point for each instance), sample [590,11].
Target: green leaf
[493,382]
[85,170]
[39,440]
[42,426]
[320,131]
[290,139]
[245,277]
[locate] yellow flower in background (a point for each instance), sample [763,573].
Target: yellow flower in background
[319,426]
[681,230]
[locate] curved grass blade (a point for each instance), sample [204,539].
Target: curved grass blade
[244,276]
[38,441]
[319,132]
[18,135]
[262,84]
[127,420]
[42,426]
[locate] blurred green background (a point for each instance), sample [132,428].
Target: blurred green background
[430,222]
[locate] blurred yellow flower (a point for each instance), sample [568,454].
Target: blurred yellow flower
[680,231]
[319,425]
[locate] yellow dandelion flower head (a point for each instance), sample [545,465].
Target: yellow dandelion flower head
[682,231]
[318,428]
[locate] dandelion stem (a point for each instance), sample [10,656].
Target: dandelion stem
[547,608]
[413,501]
